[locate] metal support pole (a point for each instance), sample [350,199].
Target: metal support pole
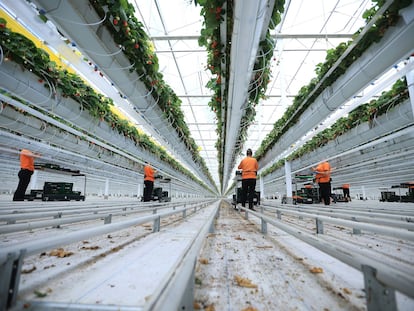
[288,178]
[10,278]
[379,296]
[264,226]
[157,223]
[84,187]
[138,190]
[106,188]
[279,214]
[59,215]
[319,226]
[108,219]
[355,231]
[262,192]
[246,214]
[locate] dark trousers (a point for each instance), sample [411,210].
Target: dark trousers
[325,192]
[148,188]
[248,189]
[346,194]
[24,180]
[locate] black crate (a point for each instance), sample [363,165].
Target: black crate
[57,188]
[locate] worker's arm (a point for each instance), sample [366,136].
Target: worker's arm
[31,153]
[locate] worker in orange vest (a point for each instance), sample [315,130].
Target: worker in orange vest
[25,174]
[249,167]
[323,178]
[149,177]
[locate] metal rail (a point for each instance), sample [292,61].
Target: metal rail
[11,257]
[62,217]
[177,290]
[394,213]
[388,228]
[381,279]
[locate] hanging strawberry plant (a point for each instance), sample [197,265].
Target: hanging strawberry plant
[129,34]
[362,114]
[213,12]
[309,93]
[17,48]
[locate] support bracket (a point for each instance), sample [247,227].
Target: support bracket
[9,283]
[379,297]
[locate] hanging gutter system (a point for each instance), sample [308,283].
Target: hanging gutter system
[78,21]
[249,20]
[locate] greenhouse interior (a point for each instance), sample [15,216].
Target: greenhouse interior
[125,129]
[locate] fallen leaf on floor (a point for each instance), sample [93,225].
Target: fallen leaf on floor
[239,238]
[60,252]
[265,246]
[249,308]
[42,294]
[210,308]
[203,261]
[316,270]
[29,269]
[341,295]
[200,306]
[347,291]
[197,306]
[90,247]
[116,249]
[198,281]
[244,282]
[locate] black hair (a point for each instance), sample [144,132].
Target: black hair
[249,152]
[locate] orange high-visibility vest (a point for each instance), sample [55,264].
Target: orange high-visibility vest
[249,167]
[323,173]
[148,173]
[27,160]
